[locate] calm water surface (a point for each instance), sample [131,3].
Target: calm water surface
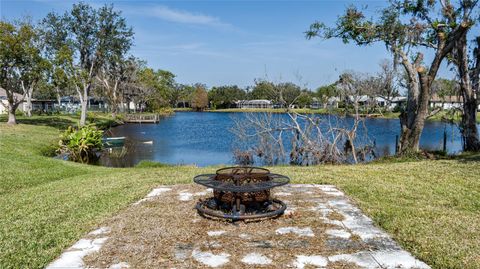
[204,139]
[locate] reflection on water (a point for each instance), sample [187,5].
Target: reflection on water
[204,139]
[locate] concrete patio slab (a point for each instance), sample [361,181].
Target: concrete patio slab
[322,228]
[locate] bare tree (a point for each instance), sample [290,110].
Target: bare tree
[131,86]
[116,77]
[387,76]
[300,139]
[303,139]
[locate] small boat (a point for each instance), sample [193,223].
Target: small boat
[148,142]
[113,141]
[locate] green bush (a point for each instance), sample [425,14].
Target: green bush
[91,116]
[164,111]
[81,145]
[120,117]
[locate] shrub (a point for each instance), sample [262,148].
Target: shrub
[81,145]
[120,117]
[164,111]
[91,116]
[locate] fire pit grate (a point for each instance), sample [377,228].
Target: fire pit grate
[241,193]
[210,181]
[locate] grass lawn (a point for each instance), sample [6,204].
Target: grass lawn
[432,208]
[442,115]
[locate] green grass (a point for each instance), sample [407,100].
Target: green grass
[62,121]
[182,109]
[444,116]
[432,208]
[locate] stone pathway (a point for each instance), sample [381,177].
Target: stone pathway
[321,228]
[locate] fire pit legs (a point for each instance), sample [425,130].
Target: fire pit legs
[241,193]
[203,210]
[239,208]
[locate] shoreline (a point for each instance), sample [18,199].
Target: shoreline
[441,116]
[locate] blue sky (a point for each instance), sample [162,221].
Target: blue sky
[232,42]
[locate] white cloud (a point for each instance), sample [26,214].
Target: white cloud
[182,16]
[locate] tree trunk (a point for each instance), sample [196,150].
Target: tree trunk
[83,115]
[114,109]
[27,92]
[59,97]
[419,83]
[12,119]
[410,133]
[468,84]
[412,123]
[84,103]
[412,119]
[468,125]
[115,102]
[29,104]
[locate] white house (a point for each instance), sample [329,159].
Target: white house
[316,104]
[446,102]
[392,103]
[262,103]
[360,99]
[381,102]
[331,102]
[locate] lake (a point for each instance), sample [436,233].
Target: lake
[204,138]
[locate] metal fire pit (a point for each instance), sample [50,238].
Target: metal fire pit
[241,193]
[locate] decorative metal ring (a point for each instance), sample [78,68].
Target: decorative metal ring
[203,210]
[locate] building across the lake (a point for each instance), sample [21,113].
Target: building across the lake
[331,102]
[446,102]
[72,103]
[390,103]
[261,103]
[44,105]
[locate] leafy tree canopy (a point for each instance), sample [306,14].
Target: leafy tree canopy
[225,96]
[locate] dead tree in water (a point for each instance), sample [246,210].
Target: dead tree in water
[302,139]
[299,139]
